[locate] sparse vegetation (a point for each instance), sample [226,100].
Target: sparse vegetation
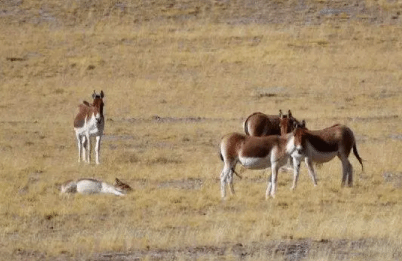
[177,75]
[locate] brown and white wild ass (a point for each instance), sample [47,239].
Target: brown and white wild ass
[94,186]
[321,146]
[89,122]
[254,153]
[260,124]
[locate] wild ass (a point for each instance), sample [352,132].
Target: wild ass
[94,186]
[321,146]
[260,124]
[89,122]
[254,153]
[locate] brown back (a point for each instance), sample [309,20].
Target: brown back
[325,140]
[236,144]
[259,124]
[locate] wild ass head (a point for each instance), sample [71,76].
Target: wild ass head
[299,137]
[121,186]
[98,105]
[287,122]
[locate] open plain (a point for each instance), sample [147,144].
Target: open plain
[177,76]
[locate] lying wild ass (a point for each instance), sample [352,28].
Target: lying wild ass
[89,122]
[94,186]
[254,153]
[260,124]
[322,146]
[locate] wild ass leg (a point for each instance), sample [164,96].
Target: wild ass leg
[347,172]
[311,170]
[88,140]
[97,149]
[230,181]
[79,146]
[227,177]
[84,148]
[271,188]
[224,175]
[350,176]
[296,171]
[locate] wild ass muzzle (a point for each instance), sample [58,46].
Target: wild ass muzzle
[94,186]
[253,153]
[89,122]
[260,124]
[321,146]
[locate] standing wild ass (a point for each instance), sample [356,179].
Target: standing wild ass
[322,146]
[254,153]
[89,122]
[94,186]
[260,124]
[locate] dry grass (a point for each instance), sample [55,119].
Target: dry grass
[173,88]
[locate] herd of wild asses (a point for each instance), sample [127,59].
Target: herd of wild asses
[270,141]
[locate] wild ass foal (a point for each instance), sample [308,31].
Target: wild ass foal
[89,122]
[260,124]
[322,146]
[94,186]
[253,153]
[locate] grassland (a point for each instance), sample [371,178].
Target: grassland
[178,75]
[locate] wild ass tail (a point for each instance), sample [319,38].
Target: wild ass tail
[237,174]
[357,155]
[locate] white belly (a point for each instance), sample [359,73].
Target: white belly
[89,186]
[91,127]
[256,163]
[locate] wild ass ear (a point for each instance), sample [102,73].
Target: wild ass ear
[117,181]
[102,94]
[280,114]
[94,95]
[290,114]
[303,124]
